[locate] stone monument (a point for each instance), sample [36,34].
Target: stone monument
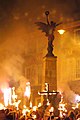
[50,60]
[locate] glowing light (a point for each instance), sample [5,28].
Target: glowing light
[34,116]
[34,108]
[61,31]
[24,106]
[38,93]
[16,104]
[30,104]
[28,90]
[77,98]
[48,102]
[39,105]
[2,106]
[61,114]
[14,96]
[51,109]
[25,110]
[7,96]
[62,107]
[77,105]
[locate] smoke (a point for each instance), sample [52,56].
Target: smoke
[18,36]
[3,79]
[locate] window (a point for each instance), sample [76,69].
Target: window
[78,68]
[77,35]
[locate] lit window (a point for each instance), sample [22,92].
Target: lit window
[78,68]
[77,35]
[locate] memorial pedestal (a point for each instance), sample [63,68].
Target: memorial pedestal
[50,72]
[50,77]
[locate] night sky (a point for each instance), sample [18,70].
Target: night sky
[28,11]
[16,13]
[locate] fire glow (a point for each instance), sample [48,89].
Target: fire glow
[28,90]
[7,96]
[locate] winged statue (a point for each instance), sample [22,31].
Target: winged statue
[49,29]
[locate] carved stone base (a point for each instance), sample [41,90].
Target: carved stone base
[50,72]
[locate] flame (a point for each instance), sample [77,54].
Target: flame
[7,96]
[2,106]
[39,105]
[51,109]
[34,116]
[14,96]
[25,110]
[28,91]
[77,98]
[30,104]
[34,108]
[48,103]
[16,104]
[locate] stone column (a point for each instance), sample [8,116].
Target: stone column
[50,72]
[50,77]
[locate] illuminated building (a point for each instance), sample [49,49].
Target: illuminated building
[68,63]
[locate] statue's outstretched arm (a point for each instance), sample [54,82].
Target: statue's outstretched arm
[47,18]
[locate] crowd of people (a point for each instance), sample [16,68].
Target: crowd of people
[8,114]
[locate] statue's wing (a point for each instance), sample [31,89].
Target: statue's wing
[43,26]
[58,23]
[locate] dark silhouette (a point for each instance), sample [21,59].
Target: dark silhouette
[49,29]
[51,118]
